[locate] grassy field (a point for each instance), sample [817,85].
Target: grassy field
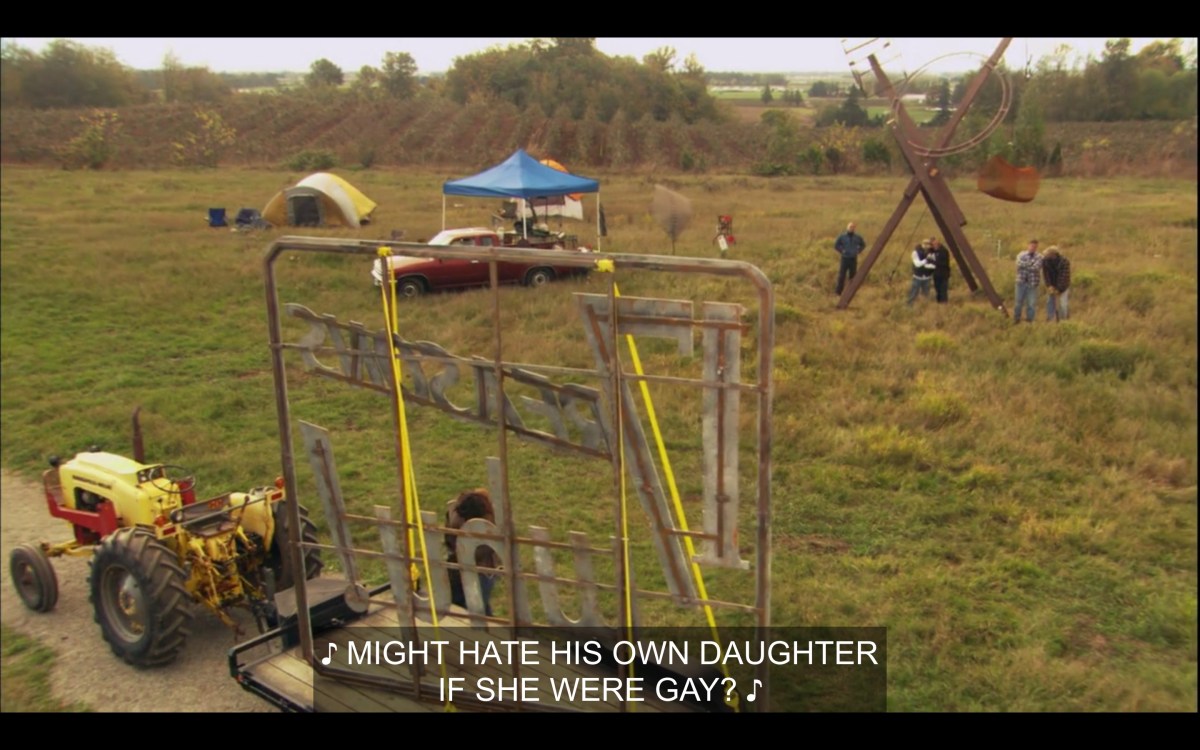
[1017,505]
[26,667]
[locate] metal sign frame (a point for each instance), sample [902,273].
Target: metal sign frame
[608,319]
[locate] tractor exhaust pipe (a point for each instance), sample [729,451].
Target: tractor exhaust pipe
[139,452]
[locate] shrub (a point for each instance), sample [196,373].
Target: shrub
[203,147]
[813,157]
[875,151]
[94,147]
[312,160]
[366,155]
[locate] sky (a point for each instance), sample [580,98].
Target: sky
[750,55]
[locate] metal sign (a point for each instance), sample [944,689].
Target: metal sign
[604,422]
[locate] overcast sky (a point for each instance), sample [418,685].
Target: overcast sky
[244,54]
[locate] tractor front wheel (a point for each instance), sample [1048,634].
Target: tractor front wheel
[33,576]
[139,596]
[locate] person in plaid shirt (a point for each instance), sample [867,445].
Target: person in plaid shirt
[1029,275]
[1056,271]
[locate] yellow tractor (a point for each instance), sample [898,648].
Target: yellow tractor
[156,550]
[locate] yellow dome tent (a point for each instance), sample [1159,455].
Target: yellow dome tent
[320,200]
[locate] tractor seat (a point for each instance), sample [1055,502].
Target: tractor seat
[206,517]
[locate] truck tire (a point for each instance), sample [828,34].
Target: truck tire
[140,599]
[539,276]
[33,577]
[280,561]
[409,288]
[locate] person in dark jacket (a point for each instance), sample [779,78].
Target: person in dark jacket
[848,245]
[941,270]
[1056,272]
[922,264]
[471,504]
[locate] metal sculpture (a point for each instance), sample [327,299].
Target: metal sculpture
[928,179]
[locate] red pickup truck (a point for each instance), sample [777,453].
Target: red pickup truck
[416,276]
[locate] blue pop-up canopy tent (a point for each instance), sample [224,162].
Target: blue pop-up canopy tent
[520,176]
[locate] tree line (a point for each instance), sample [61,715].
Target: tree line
[570,78]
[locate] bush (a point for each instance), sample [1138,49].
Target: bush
[203,147]
[813,157]
[366,156]
[875,151]
[94,147]
[312,160]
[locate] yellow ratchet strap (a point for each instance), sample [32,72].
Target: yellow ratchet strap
[408,477]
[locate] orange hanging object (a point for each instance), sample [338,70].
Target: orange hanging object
[1002,180]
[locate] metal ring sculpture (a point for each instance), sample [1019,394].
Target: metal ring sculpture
[981,136]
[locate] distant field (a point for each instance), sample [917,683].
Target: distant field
[1017,505]
[751,110]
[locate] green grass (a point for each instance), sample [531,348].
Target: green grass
[1017,505]
[25,668]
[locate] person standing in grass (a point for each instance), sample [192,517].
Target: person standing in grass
[1029,274]
[1056,272]
[941,270]
[848,245]
[923,268]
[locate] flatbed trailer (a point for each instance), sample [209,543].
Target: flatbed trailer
[273,667]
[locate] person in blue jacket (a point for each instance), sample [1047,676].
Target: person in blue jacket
[848,245]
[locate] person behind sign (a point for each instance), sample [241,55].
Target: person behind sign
[848,245]
[471,504]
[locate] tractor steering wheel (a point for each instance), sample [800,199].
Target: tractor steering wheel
[174,480]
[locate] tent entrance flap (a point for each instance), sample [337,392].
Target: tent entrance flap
[305,211]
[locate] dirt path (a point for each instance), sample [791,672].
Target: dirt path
[86,670]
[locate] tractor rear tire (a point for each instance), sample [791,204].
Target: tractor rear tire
[140,599]
[33,576]
[280,561]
